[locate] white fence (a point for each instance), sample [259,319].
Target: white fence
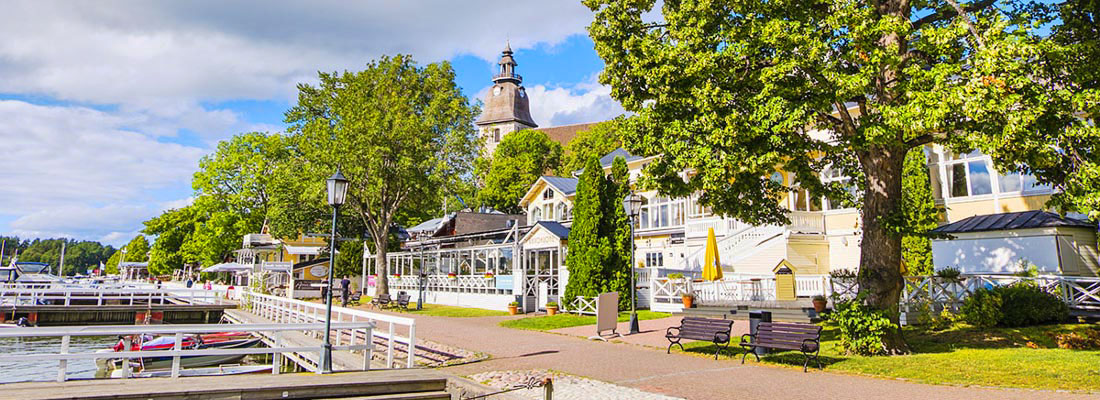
[356,329]
[291,311]
[69,295]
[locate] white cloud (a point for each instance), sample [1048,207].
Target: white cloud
[137,52]
[584,102]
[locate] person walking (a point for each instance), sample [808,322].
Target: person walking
[345,289]
[190,282]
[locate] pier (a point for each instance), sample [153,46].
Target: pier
[97,305]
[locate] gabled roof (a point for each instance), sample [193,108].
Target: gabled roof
[608,159]
[565,133]
[567,186]
[555,227]
[1009,221]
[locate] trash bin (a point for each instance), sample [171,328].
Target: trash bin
[755,318]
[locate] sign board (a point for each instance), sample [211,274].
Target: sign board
[607,314]
[504,281]
[371,281]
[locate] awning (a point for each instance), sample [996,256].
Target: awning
[227,267]
[307,250]
[278,266]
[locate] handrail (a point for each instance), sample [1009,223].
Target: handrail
[281,309]
[278,346]
[25,296]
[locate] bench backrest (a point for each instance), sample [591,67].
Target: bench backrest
[403,298]
[703,328]
[786,334]
[383,297]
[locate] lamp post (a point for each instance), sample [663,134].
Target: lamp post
[337,189]
[630,206]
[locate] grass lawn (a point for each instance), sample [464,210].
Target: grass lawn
[437,310]
[546,323]
[963,356]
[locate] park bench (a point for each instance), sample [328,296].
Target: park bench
[695,328]
[805,338]
[353,300]
[403,301]
[380,301]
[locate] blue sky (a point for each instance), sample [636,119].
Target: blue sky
[106,108]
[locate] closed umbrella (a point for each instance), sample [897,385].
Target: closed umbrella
[712,269]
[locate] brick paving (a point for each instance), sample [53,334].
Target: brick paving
[651,333]
[679,375]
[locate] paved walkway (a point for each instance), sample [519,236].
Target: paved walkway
[650,332]
[677,375]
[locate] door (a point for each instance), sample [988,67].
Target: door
[542,276]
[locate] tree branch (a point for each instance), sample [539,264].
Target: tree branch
[966,20]
[945,14]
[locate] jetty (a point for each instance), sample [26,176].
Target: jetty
[59,305]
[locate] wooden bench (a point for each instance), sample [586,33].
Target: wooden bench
[380,301]
[695,328]
[354,298]
[785,336]
[403,301]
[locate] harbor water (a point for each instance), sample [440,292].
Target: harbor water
[47,370]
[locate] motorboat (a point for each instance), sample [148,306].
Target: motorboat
[207,371]
[222,340]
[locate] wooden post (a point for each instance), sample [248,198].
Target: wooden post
[126,361]
[548,389]
[276,357]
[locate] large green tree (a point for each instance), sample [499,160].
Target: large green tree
[732,89]
[137,250]
[520,159]
[401,133]
[921,214]
[616,226]
[597,140]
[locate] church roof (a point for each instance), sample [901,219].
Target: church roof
[506,102]
[563,134]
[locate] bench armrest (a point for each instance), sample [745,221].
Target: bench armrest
[722,337]
[748,336]
[668,332]
[810,346]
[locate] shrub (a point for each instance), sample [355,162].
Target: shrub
[1021,304]
[843,273]
[551,304]
[513,304]
[949,273]
[675,276]
[861,328]
[982,308]
[1027,304]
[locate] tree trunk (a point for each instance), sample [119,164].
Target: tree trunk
[880,279]
[380,267]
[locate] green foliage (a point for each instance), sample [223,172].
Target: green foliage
[983,308]
[403,136]
[551,304]
[80,256]
[1020,304]
[520,159]
[598,140]
[949,273]
[558,321]
[862,328]
[921,214]
[137,250]
[616,226]
[587,247]
[349,261]
[675,276]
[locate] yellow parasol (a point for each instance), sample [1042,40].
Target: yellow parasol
[712,268]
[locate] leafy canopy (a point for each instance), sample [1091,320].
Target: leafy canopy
[520,159]
[598,140]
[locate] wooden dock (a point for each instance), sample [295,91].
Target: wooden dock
[405,384]
[341,360]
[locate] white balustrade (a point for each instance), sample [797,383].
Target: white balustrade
[69,295]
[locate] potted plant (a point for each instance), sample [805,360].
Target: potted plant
[398,276]
[675,276]
[452,275]
[688,299]
[488,275]
[513,308]
[551,307]
[819,303]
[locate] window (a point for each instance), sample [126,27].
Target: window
[698,210]
[654,260]
[561,212]
[536,214]
[548,194]
[804,202]
[496,135]
[830,175]
[972,175]
[662,212]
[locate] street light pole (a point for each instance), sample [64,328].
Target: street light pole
[630,205]
[337,188]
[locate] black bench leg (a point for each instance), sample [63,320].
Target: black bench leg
[750,351]
[807,363]
[673,343]
[718,349]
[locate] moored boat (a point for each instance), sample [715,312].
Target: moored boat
[224,340]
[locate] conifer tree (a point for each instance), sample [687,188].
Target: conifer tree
[617,267]
[587,246]
[919,208]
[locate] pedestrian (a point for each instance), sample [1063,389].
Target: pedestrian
[208,286]
[190,282]
[345,289]
[158,283]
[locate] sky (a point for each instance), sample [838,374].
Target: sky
[106,107]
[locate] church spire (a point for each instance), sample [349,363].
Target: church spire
[508,65]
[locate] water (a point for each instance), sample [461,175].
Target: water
[47,370]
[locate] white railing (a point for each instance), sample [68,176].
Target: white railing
[103,296]
[284,310]
[1076,291]
[355,329]
[733,291]
[721,226]
[807,221]
[583,305]
[462,283]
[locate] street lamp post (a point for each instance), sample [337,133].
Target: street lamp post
[630,206]
[337,189]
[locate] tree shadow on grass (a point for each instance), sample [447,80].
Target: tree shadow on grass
[924,340]
[735,352]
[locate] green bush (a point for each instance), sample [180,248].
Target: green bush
[949,273]
[982,308]
[1021,304]
[861,328]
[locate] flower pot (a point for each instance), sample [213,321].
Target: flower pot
[551,310]
[819,305]
[689,300]
[513,310]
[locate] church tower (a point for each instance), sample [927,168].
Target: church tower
[506,107]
